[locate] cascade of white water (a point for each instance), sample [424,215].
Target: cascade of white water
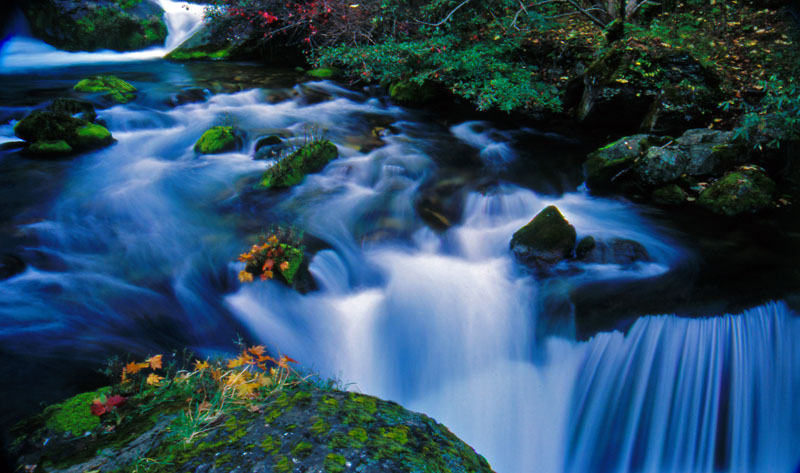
[23,53]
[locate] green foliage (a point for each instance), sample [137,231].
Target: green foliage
[775,119]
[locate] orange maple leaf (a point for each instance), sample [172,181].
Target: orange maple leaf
[133,367]
[257,350]
[200,365]
[154,379]
[235,363]
[155,362]
[284,266]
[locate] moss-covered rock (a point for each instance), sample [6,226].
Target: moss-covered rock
[96,24]
[219,139]
[111,87]
[671,194]
[203,45]
[411,93]
[606,164]
[74,415]
[292,169]
[746,190]
[545,240]
[50,147]
[77,108]
[362,433]
[91,136]
[59,133]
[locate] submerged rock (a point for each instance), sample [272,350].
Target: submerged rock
[299,428]
[111,87]
[52,133]
[746,190]
[612,251]
[545,240]
[91,25]
[219,139]
[292,169]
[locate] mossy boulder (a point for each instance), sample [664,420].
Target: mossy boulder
[292,169]
[408,92]
[545,240]
[607,164]
[671,194]
[59,133]
[110,87]
[92,25]
[204,45]
[301,428]
[219,139]
[745,190]
[77,108]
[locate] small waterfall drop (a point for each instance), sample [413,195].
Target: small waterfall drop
[21,53]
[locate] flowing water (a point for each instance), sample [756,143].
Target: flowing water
[132,249]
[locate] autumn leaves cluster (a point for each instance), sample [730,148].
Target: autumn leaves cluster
[262,259]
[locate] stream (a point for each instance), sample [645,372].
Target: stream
[132,249]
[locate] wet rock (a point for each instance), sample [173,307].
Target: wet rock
[10,265]
[293,169]
[59,133]
[76,108]
[191,95]
[545,240]
[671,194]
[219,139]
[439,203]
[269,147]
[111,88]
[203,45]
[612,251]
[608,164]
[90,25]
[411,93]
[745,190]
[299,427]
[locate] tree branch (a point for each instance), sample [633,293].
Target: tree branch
[445,18]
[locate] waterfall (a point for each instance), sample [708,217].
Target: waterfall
[20,53]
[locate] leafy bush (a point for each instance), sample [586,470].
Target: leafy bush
[279,253]
[775,119]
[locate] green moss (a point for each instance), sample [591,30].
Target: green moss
[319,427]
[282,464]
[219,139]
[334,463]
[397,434]
[302,449]
[74,415]
[114,88]
[50,147]
[358,409]
[301,399]
[669,195]
[358,436]
[196,55]
[273,415]
[324,73]
[547,236]
[92,136]
[223,459]
[411,93]
[292,169]
[746,190]
[270,445]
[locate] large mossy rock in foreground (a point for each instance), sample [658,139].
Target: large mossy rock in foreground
[219,139]
[745,190]
[91,25]
[53,133]
[292,169]
[111,87]
[545,240]
[301,429]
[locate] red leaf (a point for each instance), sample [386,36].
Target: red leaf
[98,408]
[115,401]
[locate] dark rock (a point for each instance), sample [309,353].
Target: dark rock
[439,202]
[12,145]
[10,265]
[269,147]
[545,240]
[613,251]
[411,93]
[746,190]
[292,169]
[77,108]
[671,194]
[90,25]
[191,95]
